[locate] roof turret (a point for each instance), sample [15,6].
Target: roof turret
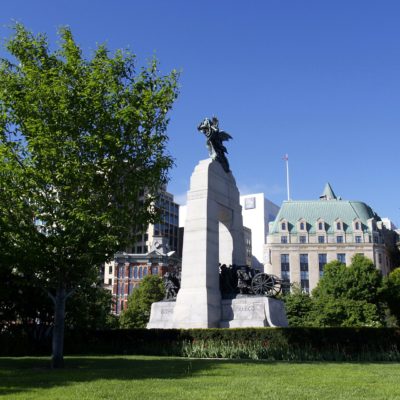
[328,193]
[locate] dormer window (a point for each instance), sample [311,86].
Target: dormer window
[338,226]
[301,225]
[283,226]
[320,226]
[357,225]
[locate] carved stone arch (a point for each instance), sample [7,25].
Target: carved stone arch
[213,234]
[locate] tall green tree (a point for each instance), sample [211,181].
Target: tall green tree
[348,296]
[79,140]
[137,314]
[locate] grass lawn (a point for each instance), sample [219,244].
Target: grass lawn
[134,377]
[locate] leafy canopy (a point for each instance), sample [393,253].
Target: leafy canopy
[79,140]
[348,296]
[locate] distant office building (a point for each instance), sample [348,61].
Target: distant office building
[154,251]
[168,227]
[258,212]
[308,234]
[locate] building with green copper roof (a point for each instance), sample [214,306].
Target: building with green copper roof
[308,234]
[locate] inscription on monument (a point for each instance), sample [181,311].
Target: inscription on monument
[243,308]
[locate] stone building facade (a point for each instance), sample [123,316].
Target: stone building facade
[129,269]
[306,235]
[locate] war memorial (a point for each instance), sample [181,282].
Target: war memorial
[216,289]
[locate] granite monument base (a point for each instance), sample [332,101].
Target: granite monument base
[240,312]
[252,312]
[161,315]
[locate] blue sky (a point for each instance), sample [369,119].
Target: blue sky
[319,80]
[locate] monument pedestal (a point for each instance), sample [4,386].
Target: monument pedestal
[241,312]
[161,315]
[252,312]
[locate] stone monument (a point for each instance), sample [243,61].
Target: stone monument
[213,235]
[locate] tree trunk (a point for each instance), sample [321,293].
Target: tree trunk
[57,359]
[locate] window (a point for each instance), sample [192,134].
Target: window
[302,226]
[357,226]
[338,226]
[341,257]
[109,281]
[321,263]
[305,285]
[358,239]
[130,288]
[120,289]
[320,226]
[304,266]
[321,239]
[130,271]
[285,267]
[144,271]
[283,226]
[135,272]
[110,269]
[154,271]
[303,239]
[284,239]
[380,258]
[140,273]
[339,239]
[249,203]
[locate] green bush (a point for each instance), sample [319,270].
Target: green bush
[290,344]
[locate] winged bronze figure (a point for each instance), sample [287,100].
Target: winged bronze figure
[215,138]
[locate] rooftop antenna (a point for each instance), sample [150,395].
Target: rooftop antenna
[286,159]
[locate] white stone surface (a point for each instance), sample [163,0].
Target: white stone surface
[253,312]
[213,234]
[161,315]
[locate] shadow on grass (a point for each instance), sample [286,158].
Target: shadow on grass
[28,373]
[21,375]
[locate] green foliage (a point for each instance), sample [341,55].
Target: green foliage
[348,296]
[298,305]
[137,313]
[345,296]
[290,344]
[89,308]
[79,140]
[391,293]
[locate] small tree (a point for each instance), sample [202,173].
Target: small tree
[79,140]
[391,293]
[298,307]
[137,314]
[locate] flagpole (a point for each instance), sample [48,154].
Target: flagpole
[286,158]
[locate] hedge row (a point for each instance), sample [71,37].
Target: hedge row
[368,344]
